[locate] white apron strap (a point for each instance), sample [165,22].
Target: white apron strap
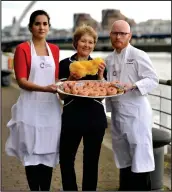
[49,50]
[33,51]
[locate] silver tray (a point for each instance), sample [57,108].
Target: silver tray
[60,90]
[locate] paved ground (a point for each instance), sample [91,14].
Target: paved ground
[13,174]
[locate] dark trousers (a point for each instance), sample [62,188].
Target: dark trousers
[69,143]
[39,177]
[130,181]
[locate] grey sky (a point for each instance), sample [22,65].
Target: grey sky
[61,12]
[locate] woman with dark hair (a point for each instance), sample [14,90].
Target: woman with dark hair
[82,118]
[35,125]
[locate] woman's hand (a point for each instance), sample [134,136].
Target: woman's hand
[101,69]
[51,88]
[73,76]
[29,86]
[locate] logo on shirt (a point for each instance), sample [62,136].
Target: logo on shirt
[114,73]
[43,65]
[130,61]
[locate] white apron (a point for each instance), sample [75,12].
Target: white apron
[131,115]
[35,125]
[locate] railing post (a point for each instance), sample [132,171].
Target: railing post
[160,119]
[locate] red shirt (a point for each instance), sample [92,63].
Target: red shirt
[22,60]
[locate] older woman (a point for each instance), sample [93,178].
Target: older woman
[82,118]
[35,125]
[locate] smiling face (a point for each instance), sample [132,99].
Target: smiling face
[120,34]
[40,27]
[85,45]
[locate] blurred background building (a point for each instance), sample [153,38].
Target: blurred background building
[108,17]
[84,18]
[111,15]
[157,26]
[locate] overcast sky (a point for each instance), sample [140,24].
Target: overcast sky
[61,12]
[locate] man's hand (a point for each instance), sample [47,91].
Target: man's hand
[101,69]
[128,87]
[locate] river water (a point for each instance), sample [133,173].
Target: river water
[162,64]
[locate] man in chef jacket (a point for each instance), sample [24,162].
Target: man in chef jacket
[131,113]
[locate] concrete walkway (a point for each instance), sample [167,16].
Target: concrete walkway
[13,173]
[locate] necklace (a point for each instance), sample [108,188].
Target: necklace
[81,58]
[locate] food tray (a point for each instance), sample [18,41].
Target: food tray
[60,90]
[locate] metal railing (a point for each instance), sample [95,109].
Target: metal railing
[167,83]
